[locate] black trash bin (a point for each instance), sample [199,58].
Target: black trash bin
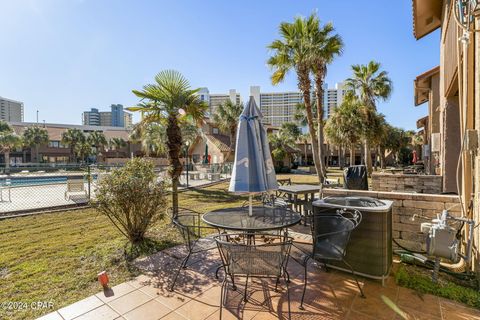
[355,178]
[370,248]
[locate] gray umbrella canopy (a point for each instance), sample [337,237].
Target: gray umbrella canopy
[253,170]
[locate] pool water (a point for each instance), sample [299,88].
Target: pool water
[34,181]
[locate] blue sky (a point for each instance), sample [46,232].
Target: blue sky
[64,57]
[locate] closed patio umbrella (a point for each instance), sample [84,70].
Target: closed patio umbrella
[253,170]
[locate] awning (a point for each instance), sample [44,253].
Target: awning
[422,122]
[422,85]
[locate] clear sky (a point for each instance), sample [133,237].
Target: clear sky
[65,56]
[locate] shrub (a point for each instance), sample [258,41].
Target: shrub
[132,198]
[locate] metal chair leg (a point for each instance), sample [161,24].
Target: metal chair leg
[216,272]
[182,265]
[304,283]
[245,293]
[288,293]
[355,277]
[222,295]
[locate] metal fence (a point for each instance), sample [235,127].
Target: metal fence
[48,186]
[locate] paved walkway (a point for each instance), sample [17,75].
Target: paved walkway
[331,295]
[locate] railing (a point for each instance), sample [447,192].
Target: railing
[450,53]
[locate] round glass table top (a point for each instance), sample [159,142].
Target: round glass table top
[262,219]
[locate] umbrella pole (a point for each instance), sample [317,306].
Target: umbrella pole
[250,212]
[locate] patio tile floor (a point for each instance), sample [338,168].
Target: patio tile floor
[330,295]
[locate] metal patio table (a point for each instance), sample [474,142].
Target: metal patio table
[262,219]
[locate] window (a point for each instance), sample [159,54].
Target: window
[54,144]
[215,130]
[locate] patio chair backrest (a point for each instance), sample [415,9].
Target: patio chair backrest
[331,231]
[258,255]
[188,223]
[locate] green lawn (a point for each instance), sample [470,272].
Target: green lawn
[56,256]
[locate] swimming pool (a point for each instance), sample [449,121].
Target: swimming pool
[36,180]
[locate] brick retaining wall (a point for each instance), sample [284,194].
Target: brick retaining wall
[406,182]
[408,206]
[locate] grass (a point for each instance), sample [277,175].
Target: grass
[55,257]
[412,277]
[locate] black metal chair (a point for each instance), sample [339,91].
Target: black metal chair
[194,234]
[331,229]
[253,256]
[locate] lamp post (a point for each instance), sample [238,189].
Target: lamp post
[187,144]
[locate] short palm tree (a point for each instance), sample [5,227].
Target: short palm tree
[151,136]
[83,150]
[9,141]
[369,84]
[117,144]
[98,140]
[34,137]
[306,48]
[226,117]
[71,137]
[171,102]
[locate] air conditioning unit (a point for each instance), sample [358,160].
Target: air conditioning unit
[436,142]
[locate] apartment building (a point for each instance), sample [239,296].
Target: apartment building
[117,117]
[333,98]
[215,99]
[276,107]
[11,110]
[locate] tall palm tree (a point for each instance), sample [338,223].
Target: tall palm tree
[9,141]
[369,84]
[151,136]
[171,102]
[306,48]
[117,144]
[304,139]
[98,140]
[226,118]
[325,47]
[71,137]
[34,137]
[83,150]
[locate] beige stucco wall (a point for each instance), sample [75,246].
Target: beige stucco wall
[198,149]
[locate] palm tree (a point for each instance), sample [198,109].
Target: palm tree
[98,140]
[9,140]
[117,144]
[304,139]
[306,48]
[34,137]
[151,136]
[171,102]
[226,118]
[369,84]
[71,137]
[344,127]
[325,47]
[83,150]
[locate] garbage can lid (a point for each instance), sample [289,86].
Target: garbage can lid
[355,202]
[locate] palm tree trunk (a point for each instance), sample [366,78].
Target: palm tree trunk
[36,153]
[319,97]
[375,159]
[340,157]
[352,155]
[368,157]
[7,159]
[174,145]
[304,84]
[382,157]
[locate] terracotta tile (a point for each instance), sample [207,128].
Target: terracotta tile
[80,307]
[375,289]
[456,311]
[157,263]
[152,310]
[429,304]
[195,309]
[173,316]
[171,299]
[129,301]
[373,306]
[115,292]
[353,315]
[101,313]
[140,281]
[414,314]
[51,316]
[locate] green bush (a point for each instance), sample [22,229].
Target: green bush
[132,198]
[445,289]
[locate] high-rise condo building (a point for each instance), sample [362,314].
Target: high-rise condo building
[11,110]
[276,107]
[117,117]
[215,99]
[333,98]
